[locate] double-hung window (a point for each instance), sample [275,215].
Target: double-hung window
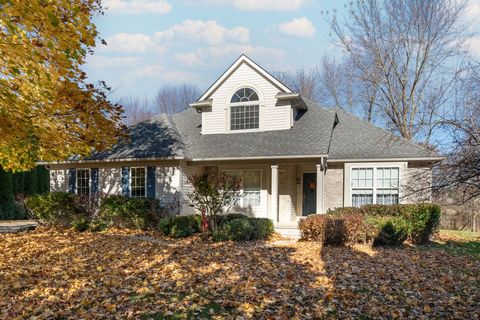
[250,186]
[378,185]
[83,181]
[138,181]
[244,110]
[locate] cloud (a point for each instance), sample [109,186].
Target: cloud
[129,42]
[138,6]
[228,53]
[199,31]
[160,72]
[100,62]
[254,5]
[300,27]
[189,59]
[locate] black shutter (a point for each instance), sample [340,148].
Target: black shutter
[72,180]
[151,182]
[126,181]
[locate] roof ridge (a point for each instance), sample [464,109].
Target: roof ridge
[398,138]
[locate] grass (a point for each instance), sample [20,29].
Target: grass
[458,242]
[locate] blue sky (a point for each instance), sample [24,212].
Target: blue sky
[157,42]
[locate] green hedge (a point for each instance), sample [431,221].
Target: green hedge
[70,210]
[131,213]
[244,228]
[393,224]
[180,226]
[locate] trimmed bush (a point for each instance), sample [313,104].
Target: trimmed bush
[80,224]
[339,230]
[239,230]
[132,213]
[52,208]
[180,226]
[392,231]
[418,221]
[97,225]
[262,228]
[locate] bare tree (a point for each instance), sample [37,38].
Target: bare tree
[171,99]
[136,109]
[305,82]
[408,54]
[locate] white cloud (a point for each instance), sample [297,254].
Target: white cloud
[160,72]
[138,6]
[228,53]
[300,27]
[209,32]
[278,5]
[150,71]
[129,42]
[189,59]
[99,61]
[254,5]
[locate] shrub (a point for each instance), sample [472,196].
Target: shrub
[262,228]
[220,235]
[52,208]
[97,225]
[80,223]
[239,230]
[224,219]
[133,213]
[180,226]
[327,229]
[423,218]
[391,231]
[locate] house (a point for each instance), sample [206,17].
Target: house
[294,156]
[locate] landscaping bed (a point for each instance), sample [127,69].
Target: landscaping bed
[60,273]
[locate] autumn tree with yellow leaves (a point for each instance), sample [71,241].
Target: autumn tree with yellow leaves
[48,110]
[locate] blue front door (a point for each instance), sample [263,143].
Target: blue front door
[309,194]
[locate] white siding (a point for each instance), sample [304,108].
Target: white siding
[167,187]
[186,187]
[110,180]
[273,115]
[59,180]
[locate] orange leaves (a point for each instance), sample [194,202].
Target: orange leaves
[121,274]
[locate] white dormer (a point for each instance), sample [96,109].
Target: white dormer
[246,98]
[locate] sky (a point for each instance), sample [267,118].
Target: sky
[151,43]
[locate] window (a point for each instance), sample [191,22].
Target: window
[83,181]
[244,110]
[137,182]
[387,185]
[250,187]
[362,186]
[384,190]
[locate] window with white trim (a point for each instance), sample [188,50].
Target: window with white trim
[244,110]
[83,181]
[250,186]
[384,189]
[138,181]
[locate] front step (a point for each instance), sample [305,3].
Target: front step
[288,232]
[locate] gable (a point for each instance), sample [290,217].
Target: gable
[244,60]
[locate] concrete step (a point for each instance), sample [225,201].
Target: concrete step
[288,232]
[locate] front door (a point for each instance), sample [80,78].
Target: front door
[309,204]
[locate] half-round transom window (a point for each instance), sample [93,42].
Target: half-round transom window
[244,110]
[243,95]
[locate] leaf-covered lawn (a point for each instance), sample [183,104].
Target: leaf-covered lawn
[54,274]
[458,242]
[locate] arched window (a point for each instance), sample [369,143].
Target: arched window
[244,110]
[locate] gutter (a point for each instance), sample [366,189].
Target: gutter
[112,160]
[389,159]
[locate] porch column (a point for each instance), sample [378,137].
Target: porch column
[320,187]
[274,215]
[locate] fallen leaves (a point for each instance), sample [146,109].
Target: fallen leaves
[55,274]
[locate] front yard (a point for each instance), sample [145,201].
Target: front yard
[64,274]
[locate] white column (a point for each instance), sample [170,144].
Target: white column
[320,176]
[274,215]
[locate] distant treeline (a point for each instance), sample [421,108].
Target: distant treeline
[15,186]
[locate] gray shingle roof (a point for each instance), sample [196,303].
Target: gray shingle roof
[180,136]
